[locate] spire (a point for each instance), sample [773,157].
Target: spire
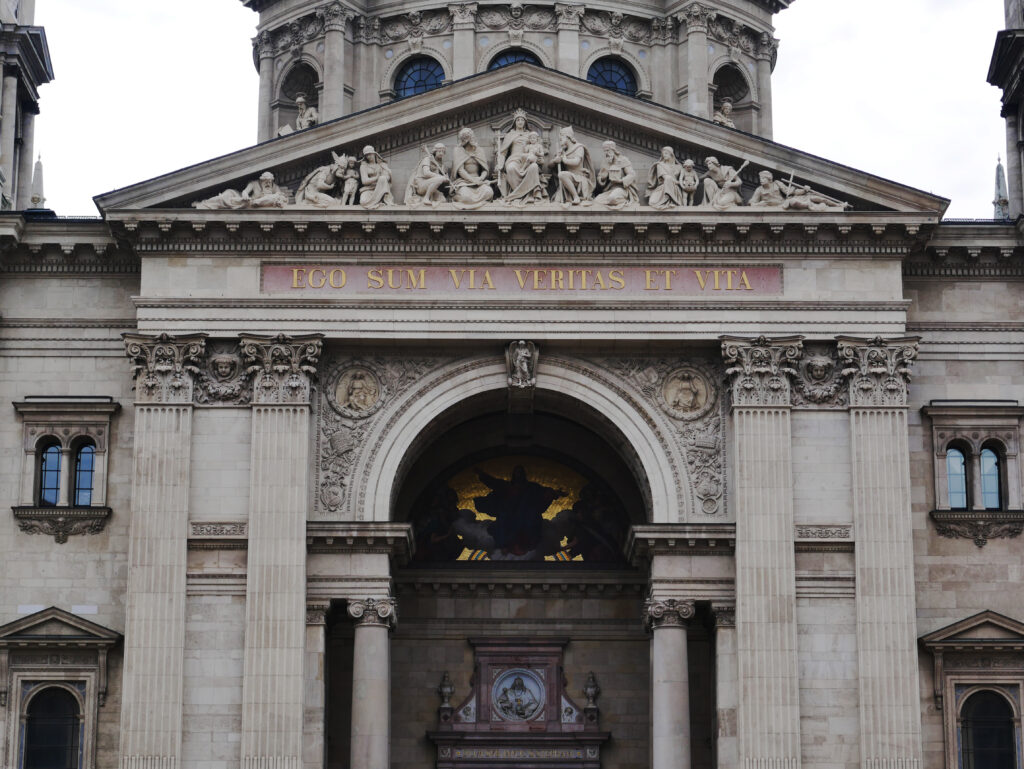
[1001,203]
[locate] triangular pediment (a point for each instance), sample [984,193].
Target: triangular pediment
[400,130]
[988,628]
[55,626]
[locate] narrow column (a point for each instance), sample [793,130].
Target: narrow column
[25,162]
[64,474]
[371,683]
[275,627]
[8,121]
[670,682]
[569,38]
[769,708]
[890,714]
[314,746]
[766,49]
[265,50]
[1014,183]
[726,685]
[154,636]
[464,43]
[332,100]
[696,18]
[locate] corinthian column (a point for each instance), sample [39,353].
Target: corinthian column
[769,708]
[275,612]
[332,102]
[890,715]
[670,682]
[767,46]
[569,37]
[695,18]
[264,45]
[371,682]
[154,635]
[464,44]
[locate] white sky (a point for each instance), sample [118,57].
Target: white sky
[893,87]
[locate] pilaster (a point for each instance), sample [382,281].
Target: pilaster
[314,744]
[890,715]
[766,639]
[151,700]
[264,44]
[464,43]
[695,19]
[371,682]
[1015,184]
[766,51]
[569,37]
[332,101]
[275,637]
[726,685]
[8,121]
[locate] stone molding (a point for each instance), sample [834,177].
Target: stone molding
[283,367]
[879,369]
[824,538]
[569,16]
[463,15]
[394,540]
[977,525]
[334,17]
[374,611]
[316,613]
[164,367]
[670,612]
[649,540]
[695,18]
[761,368]
[61,522]
[724,614]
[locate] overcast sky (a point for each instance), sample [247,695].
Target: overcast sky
[893,87]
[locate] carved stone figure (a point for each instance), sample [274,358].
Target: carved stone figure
[358,391]
[315,187]
[517,702]
[723,115]
[426,183]
[665,182]
[722,185]
[470,185]
[350,183]
[223,379]
[375,176]
[769,193]
[617,179]
[522,364]
[819,379]
[803,198]
[518,163]
[307,117]
[576,178]
[259,193]
[685,393]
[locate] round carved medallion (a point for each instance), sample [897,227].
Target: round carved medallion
[357,393]
[687,393]
[517,695]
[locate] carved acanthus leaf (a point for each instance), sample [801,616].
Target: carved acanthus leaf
[879,369]
[282,367]
[979,526]
[760,369]
[164,366]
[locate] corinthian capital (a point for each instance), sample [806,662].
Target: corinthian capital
[374,611]
[569,16]
[696,18]
[767,47]
[879,369]
[760,368]
[164,367]
[264,45]
[463,14]
[282,367]
[667,613]
[334,16]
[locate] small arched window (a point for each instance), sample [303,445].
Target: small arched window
[991,480]
[956,475]
[613,73]
[513,56]
[418,75]
[987,732]
[52,731]
[85,466]
[49,475]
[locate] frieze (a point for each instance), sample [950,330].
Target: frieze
[229,529]
[823,531]
[517,17]
[61,522]
[51,659]
[978,526]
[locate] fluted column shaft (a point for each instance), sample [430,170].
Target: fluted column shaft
[332,101]
[890,709]
[26,161]
[670,683]
[371,684]
[8,123]
[1014,182]
[265,128]
[764,96]
[696,19]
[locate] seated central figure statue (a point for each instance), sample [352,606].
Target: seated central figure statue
[519,154]
[470,186]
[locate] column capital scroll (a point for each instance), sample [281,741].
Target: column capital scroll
[334,16]
[283,367]
[374,611]
[760,368]
[463,15]
[695,18]
[879,369]
[670,612]
[164,367]
[569,15]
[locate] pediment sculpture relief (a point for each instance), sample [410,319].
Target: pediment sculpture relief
[520,172]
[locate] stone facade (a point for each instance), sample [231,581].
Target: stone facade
[287,459]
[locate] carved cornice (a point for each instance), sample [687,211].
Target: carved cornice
[61,522]
[650,540]
[879,369]
[282,367]
[977,525]
[760,368]
[394,540]
[667,613]
[164,366]
[374,611]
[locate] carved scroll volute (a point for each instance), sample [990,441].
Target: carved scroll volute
[760,369]
[879,369]
[667,613]
[164,367]
[282,367]
[374,611]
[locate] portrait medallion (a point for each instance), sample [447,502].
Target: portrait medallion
[517,695]
[687,393]
[357,393]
